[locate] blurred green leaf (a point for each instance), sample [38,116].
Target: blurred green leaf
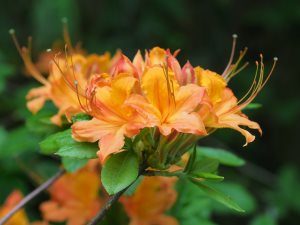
[192,205]
[264,219]
[206,176]
[253,106]
[224,157]
[73,164]
[18,141]
[285,196]
[238,193]
[119,171]
[218,196]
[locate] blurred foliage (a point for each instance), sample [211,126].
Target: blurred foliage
[202,29]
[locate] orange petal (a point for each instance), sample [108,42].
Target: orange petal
[92,130]
[234,121]
[111,143]
[157,87]
[184,122]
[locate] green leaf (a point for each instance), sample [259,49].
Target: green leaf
[119,171]
[79,150]
[224,157]
[186,209]
[64,145]
[73,164]
[238,193]
[80,117]
[205,165]
[207,176]
[191,161]
[53,142]
[253,106]
[265,219]
[218,196]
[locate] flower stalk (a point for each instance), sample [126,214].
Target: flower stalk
[31,196]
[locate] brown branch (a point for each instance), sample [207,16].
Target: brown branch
[31,196]
[112,200]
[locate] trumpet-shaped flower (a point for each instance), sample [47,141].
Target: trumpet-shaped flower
[66,82]
[112,118]
[153,197]
[74,197]
[168,105]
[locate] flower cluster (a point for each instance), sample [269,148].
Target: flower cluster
[176,104]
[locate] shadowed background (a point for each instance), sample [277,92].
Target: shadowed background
[202,30]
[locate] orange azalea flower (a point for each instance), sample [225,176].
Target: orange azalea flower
[153,197]
[74,197]
[138,94]
[168,105]
[221,109]
[66,82]
[20,218]
[113,120]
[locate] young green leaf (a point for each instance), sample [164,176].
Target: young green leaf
[253,106]
[191,161]
[72,164]
[53,142]
[119,171]
[205,165]
[206,176]
[80,117]
[224,157]
[218,196]
[79,150]
[64,145]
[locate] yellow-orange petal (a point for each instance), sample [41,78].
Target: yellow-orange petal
[37,97]
[234,121]
[157,56]
[213,83]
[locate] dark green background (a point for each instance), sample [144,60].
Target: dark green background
[202,30]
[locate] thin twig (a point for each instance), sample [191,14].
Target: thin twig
[31,196]
[112,200]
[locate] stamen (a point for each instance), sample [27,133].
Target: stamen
[256,86]
[25,54]
[234,37]
[66,34]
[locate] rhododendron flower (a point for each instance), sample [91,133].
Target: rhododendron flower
[74,197]
[20,217]
[66,81]
[153,197]
[112,119]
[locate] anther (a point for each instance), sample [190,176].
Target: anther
[75,82]
[49,50]
[275,59]
[235,36]
[64,20]
[11,31]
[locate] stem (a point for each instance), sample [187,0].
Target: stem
[112,200]
[31,196]
[152,173]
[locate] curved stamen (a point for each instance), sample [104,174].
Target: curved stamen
[25,54]
[234,37]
